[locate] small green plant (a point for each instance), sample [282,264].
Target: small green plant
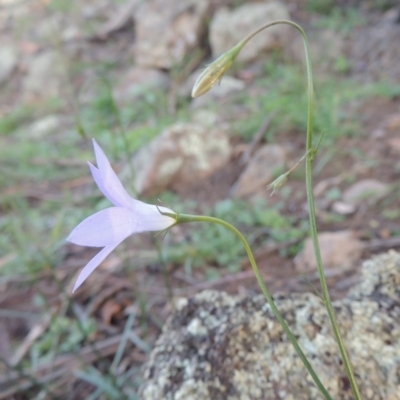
[341,20]
[320,6]
[12,121]
[285,97]
[65,335]
[213,246]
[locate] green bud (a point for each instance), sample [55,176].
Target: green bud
[278,182]
[214,72]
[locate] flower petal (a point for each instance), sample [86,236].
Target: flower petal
[93,264]
[99,181]
[111,186]
[107,227]
[149,218]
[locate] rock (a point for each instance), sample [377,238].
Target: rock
[329,45]
[181,154]
[43,127]
[167,30]
[138,81]
[261,170]
[8,62]
[394,144]
[338,250]
[49,27]
[342,208]
[369,190]
[217,346]
[392,123]
[373,50]
[205,117]
[322,186]
[229,27]
[44,77]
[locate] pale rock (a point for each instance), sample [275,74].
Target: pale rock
[261,170]
[392,123]
[45,75]
[7,3]
[369,190]
[182,154]
[327,44]
[204,117]
[43,127]
[374,51]
[139,81]
[71,32]
[8,62]
[167,30]
[322,186]
[49,27]
[394,144]
[342,208]
[11,16]
[338,250]
[243,353]
[229,27]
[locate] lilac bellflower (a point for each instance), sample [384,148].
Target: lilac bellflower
[109,227]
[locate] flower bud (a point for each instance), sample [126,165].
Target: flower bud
[215,71]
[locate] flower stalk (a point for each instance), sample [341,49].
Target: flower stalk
[183,218]
[203,82]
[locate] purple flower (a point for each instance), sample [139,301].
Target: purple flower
[109,227]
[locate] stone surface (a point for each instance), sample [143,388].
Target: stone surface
[261,170]
[366,190]
[138,81]
[44,76]
[181,154]
[222,347]
[394,144]
[43,127]
[229,27]
[8,62]
[328,46]
[374,51]
[338,250]
[392,123]
[167,30]
[342,208]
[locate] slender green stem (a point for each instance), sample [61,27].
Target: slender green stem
[310,155]
[313,225]
[181,218]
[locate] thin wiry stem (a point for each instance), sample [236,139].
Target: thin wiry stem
[310,155]
[181,218]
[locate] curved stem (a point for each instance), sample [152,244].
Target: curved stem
[181,218]
[310,155]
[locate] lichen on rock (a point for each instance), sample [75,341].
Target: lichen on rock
[218,346]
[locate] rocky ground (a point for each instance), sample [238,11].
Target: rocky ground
[122,72]
[219,346]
